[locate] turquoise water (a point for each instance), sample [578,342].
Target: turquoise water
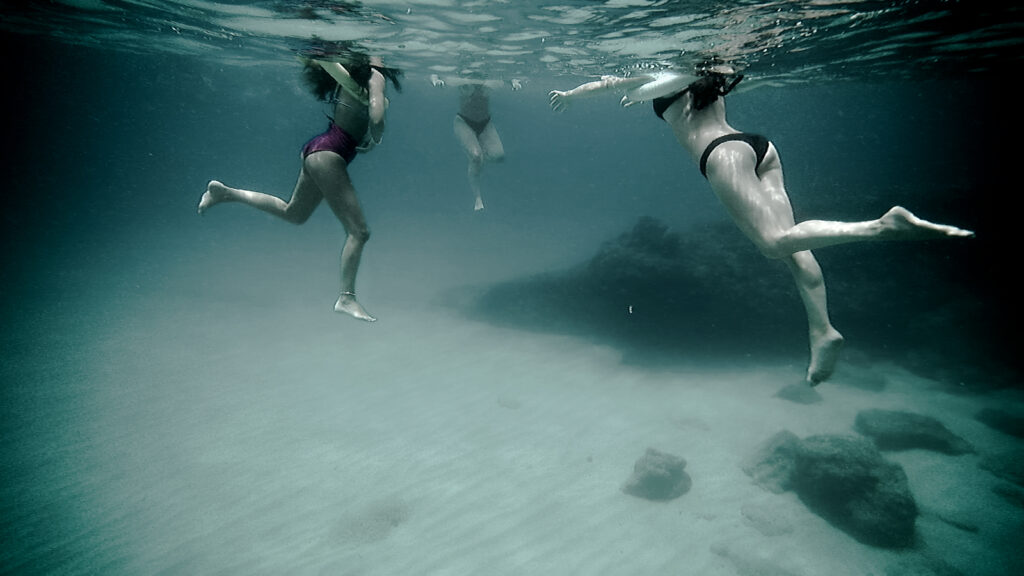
[128,319]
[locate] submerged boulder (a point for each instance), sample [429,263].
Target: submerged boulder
[898,430]
[1002,421]
[1008,465]
[772,463]
[658,476]
[843,479]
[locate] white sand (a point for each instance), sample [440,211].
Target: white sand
[190,432]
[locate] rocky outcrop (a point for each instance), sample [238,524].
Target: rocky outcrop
[1002,421]
[898,430]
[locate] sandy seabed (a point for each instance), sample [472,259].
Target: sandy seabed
[183,432]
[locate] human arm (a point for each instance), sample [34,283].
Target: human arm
[560,99]
[378,106]
[492,84]
[336,71]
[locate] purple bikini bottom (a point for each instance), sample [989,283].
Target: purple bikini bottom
[335,140]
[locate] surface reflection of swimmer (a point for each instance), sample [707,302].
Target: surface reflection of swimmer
[356,87]
[473,127]
[745,172]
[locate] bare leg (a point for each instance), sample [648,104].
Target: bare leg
[330,172]
[760,206]
[474,152]
[896,224]
[305,198]
[825,340]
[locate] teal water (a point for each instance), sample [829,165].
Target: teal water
[117,296]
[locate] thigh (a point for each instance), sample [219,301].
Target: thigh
[491,143]
[330,172]
[305,198]
[467,138]
[757,203]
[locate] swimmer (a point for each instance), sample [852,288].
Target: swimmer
[745,173]
[473,127]
[356,89]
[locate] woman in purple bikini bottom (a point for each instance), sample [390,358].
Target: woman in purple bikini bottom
[357,91]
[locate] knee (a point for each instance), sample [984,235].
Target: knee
[296,217]
[770,247]
[807,270]
[360,234]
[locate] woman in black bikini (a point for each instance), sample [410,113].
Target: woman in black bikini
[357,91]
[745,173]
[473,127]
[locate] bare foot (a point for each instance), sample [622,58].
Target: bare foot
[215,193]
[479,205]
[347,304]
[900,224]
[824,356]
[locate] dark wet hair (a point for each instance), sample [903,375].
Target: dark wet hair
[357,63]
[710,86]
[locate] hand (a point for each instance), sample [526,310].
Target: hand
[559,100]
[436,80]
[626,102]
[516,84]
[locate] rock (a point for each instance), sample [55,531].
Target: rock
[898,430]
[772,463]
[658,476]
[845,480]
[1002,421]
[800,393]
[1010,493]
[1008,465]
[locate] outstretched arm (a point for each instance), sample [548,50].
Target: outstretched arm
[560,99]
[492,84]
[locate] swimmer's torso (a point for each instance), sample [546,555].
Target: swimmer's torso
[351,114]
[474,103]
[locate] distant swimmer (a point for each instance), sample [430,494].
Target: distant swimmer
[473,127]
[355,85]
[745,172]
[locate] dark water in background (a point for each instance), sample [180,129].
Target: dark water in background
[106,151]
[106,154]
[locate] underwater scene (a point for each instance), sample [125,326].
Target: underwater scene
[461,287]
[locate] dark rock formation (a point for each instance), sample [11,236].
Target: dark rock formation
[709,291]
[1008,465]
[652,289]
[846,480]
[1010,493]
[843,479]
[772,463]
[658,476]
[898,430]
[1002,421]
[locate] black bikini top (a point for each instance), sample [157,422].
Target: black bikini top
[661,104]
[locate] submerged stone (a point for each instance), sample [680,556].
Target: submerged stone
[658,476]
[899,430]
[845,480]
[1002,421]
